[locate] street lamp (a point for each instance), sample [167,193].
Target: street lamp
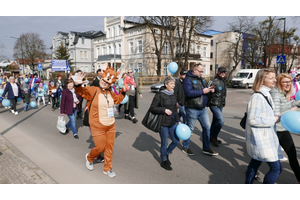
[21,48]
[281,64]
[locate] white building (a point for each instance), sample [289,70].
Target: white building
[79,45]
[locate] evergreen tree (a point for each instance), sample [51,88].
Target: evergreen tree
[62,54]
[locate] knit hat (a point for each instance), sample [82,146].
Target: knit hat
[41,84]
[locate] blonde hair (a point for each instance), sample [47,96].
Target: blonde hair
[10,78]
[260,77]
[278,84]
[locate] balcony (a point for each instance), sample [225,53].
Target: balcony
[191,56]
[108,57]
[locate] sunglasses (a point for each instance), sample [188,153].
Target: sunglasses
[129,72]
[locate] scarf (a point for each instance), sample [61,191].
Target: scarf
[167,92]
[132,78]
[74,95]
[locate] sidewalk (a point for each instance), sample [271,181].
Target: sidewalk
[16,168]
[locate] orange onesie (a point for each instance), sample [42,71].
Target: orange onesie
[102,125]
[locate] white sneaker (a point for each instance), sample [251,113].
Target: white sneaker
[89,165]
[12,111]
[110,173]
[49,103]
[283,159]
[16,113]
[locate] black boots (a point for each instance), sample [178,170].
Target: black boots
[166,164]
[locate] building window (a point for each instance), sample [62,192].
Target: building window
[131,66]
[166,48]
[140,46]
[108,32]
[85,54]
[211,67]
[212,43]
[165,69]
[140,67]
[103,50]
[82,40]
[198,50]
[120,49]
[109,49]
[130,33]
[199,38]
[211,54]
[204,52]
[119,29]
[139,31]
[81,54]
[131,49]
[98,51]
[156,31]
[204,69]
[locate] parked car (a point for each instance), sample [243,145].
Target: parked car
[156,87]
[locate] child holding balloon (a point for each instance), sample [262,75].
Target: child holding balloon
[26,100]
[41,93]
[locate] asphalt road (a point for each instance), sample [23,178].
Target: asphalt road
[136,158]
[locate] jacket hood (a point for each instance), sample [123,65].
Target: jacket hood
[190,74]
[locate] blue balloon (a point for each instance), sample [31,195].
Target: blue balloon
[1,91]
[6,102]
[173,67]
[183,131]
[298,95]
[290,121]
[33,104]
[125,100]
[26,80]
[120,83]
[19,99]
[45,87]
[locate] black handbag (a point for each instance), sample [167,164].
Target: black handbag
[153,121]
[86,113]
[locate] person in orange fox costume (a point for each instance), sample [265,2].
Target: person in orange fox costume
[101,117]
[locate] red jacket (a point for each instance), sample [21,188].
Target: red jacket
[66,104]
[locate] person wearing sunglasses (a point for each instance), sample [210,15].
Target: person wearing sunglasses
[216,104]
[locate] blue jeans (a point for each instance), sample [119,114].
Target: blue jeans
[182,113]
[72,121]
[192,116]
[26,106]
[164,133]
[217,122]
[270,177]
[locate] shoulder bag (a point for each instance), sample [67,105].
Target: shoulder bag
[86,113]
[153,121]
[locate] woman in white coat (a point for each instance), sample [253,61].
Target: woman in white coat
[261,139]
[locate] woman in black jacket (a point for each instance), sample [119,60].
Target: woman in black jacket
[165,103]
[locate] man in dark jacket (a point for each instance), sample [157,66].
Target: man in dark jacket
[180,96]
[97,78]
[216,105]
[196,93]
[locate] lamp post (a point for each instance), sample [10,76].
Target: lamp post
[282,52]
[21,49]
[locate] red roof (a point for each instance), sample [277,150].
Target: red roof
[28,61]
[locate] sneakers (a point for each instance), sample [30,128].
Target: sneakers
[210,152]
[165,164]
[49,103]
[16,113]
[12,111]
[127,117]
[100,159]
[110,173]
[283,159]
[89,165]
[134,120]
[188,152]
[76,136]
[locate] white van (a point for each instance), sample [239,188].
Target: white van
[244,78]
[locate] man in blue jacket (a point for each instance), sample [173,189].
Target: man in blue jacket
[196,92]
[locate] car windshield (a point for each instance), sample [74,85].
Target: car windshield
[241,75]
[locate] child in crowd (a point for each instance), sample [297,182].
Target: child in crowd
[58,95]
[53,91]
[41,92]
[26,100]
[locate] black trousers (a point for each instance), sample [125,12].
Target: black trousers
[14,104]
[131,102]
[287,143]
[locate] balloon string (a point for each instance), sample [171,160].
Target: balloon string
[175,118]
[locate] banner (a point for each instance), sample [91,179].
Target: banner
[59,65]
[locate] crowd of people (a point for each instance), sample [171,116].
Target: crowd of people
[185,100]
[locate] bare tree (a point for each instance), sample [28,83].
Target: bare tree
[31,46]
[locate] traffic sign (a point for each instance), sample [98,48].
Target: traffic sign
[68,68]
[40,67]
[280,59]
[20,68]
